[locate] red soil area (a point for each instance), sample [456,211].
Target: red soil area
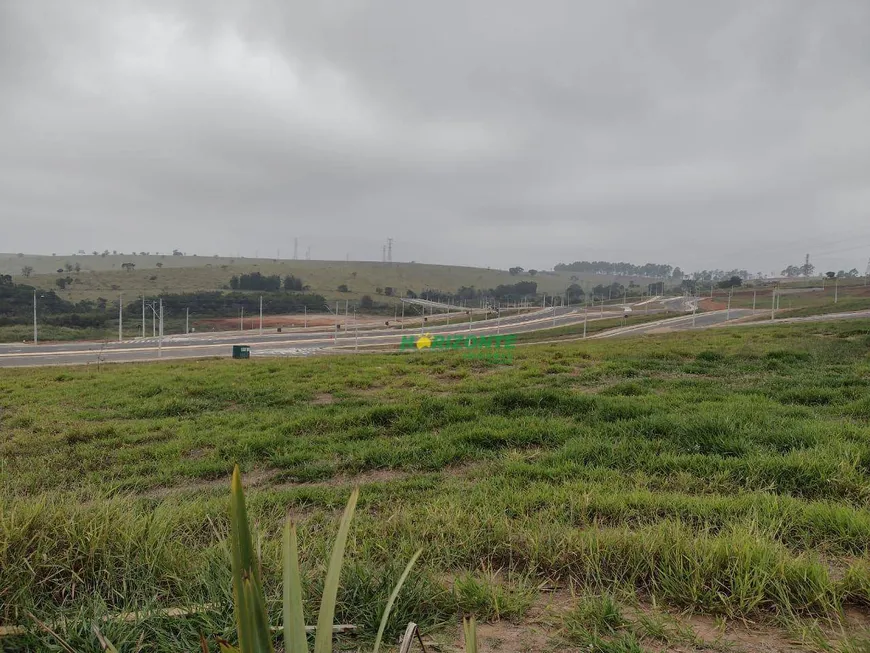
[712,305]
[274,321]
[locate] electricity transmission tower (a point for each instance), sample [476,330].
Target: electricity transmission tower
[389,250]
[383,254]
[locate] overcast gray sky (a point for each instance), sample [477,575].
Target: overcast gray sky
[485,132]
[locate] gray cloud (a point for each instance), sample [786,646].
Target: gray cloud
[712,134]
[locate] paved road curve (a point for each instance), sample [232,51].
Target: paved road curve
[306,342]
[294,342]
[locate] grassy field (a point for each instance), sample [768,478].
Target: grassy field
[852,296]
[104,277]
[700,491]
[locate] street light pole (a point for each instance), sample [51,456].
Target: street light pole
[261,315]
[187,321]
[160,342]
[35,330]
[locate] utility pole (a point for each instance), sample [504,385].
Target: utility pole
[305,310]
[143,315]
[389,250]
[728,312]
[335,330]
[187,321]
[160,342]
[346,304]
[35,330]
[261,315]
[120,316]
[754,292]
[242,319]
[383,253]
[402,325]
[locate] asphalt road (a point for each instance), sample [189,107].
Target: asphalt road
[294,342]
[304,342]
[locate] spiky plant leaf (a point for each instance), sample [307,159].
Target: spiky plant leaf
[295,640]
[252,623]
[469,626]
[389,607]
[323,636]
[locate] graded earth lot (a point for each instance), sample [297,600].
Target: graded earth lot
[695,491]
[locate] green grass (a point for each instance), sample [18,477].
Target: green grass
[723,472]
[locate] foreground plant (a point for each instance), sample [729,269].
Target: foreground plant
[252,621]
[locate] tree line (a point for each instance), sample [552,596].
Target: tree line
[267,283]
[228,304]
[621,268]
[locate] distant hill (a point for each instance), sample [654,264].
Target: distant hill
[105,276]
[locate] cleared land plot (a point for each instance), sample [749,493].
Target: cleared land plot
[703,491]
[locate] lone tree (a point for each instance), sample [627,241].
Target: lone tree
[733,282]
[576,293]
[159,265]
[515,271]
[60,283]
[27,270]
[128,266]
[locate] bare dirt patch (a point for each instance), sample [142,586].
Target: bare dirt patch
[251,479]
[323,399]
[712,305]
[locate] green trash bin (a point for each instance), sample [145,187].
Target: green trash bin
[241,351]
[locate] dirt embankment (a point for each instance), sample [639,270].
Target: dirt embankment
[286,321]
